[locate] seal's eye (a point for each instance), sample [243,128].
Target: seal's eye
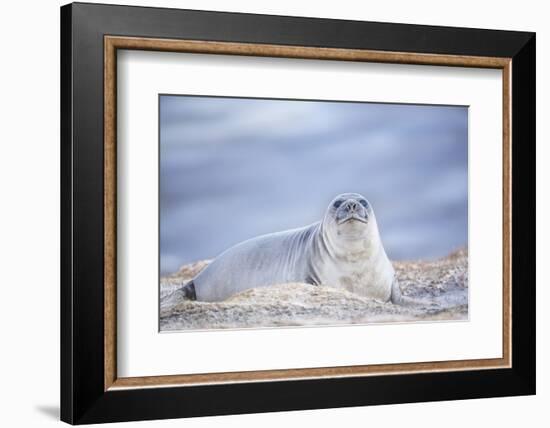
[338,203]
[363,202]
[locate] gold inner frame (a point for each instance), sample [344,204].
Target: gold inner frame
[112,43]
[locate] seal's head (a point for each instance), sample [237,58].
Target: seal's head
[349,216]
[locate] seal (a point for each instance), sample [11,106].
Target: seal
[343,250]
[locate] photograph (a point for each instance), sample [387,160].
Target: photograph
[296,213]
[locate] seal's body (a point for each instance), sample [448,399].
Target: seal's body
[342,251]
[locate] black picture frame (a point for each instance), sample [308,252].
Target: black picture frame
[83,398]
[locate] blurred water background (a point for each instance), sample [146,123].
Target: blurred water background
[235,168]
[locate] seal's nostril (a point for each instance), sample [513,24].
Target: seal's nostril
[351,207]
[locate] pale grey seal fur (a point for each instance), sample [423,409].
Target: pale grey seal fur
[343,250]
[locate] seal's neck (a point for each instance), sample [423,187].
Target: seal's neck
[340,244]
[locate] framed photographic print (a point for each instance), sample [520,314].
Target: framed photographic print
[265,213]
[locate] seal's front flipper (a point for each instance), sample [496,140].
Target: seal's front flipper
[309,280]
[397,297]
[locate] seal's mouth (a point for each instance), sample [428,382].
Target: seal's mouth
[353,218]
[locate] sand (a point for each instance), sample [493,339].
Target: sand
[438,288]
